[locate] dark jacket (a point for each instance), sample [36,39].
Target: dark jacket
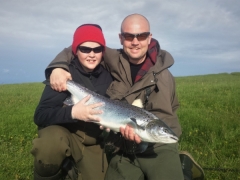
[51,110]
[162,100]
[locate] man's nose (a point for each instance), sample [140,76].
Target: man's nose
[135,41]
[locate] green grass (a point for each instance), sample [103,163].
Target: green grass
[209,115]
[17,129]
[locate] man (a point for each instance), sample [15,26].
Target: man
[140,71]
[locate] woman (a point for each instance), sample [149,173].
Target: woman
[68,146]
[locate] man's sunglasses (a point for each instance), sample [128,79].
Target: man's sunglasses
[140,37]
[85,49]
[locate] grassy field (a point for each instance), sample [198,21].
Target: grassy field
[209,115]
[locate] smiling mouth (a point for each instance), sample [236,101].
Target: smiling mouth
[134,50]
[91,60]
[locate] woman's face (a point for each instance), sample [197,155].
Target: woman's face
[89,58]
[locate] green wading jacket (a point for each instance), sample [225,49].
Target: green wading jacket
[162,100]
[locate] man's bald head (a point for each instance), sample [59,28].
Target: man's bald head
[137,20]
[135,37]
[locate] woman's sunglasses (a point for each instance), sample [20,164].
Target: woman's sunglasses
[140,36]
[85,49]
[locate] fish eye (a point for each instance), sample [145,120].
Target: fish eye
[165,130]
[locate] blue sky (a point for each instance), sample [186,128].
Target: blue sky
[202,36]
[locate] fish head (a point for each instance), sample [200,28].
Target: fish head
[159,132]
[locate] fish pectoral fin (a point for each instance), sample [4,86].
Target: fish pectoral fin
[138,124]
[134,120]
[68,101]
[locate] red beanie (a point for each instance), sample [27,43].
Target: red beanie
[87,33]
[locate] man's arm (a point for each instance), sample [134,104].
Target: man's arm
[175,106]
[58,69]
[62,60]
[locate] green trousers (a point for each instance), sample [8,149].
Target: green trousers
[159,163]
[55,144]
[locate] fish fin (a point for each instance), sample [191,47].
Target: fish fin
[141,147]
[46,82]
[138,103]
[68,101]
[134,120]
[138,124]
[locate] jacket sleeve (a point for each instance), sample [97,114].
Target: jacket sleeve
[164,105]
[173,118]
[171,104]
[50,109]
[62,60]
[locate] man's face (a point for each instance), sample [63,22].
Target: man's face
[135,48]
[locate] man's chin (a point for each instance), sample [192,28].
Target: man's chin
[136,59]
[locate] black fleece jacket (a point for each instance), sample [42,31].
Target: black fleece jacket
[51,109]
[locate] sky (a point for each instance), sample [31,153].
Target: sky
[202,36]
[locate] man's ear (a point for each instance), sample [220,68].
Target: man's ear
[120,38]
[149,38]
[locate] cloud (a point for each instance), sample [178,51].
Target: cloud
[192,31]
[5,71]
[47,21]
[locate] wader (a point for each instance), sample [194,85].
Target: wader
[156,163]
[68,152]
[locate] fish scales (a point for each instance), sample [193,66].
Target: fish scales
[118,114]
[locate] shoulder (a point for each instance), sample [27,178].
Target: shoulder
[110,53]
[109,50]
[165,58]
[165,54]
[104,72]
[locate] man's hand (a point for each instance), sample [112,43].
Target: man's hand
[58,79]
[84,112]
[129,134]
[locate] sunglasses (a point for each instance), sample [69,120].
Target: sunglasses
[85,49]
[140,37]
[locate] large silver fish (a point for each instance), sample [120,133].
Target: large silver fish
[118,114]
